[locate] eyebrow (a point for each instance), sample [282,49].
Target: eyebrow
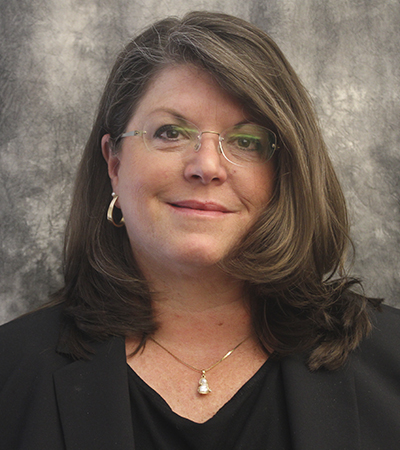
[171,112]
[181,118]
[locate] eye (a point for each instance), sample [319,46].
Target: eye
[245,142]
[171,132]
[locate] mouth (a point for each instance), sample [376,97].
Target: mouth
[200,206]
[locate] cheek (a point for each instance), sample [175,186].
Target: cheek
[142,180]
[269,180]
[260,185]
[133,184]
[135,173]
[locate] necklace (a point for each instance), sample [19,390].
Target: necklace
[203,383]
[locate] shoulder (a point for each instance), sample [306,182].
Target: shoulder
[30,340]
[376,370]
[376,365]
[32,328]
[379,352]
[384,340]
[389,316]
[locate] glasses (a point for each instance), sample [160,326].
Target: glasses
[241,144]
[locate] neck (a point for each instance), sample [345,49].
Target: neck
[206,304]
[192,288]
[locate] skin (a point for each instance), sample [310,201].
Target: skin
[183,214]
[149,184]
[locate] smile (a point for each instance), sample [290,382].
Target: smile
[200,207]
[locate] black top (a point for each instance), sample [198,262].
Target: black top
[48,400]
[254,418]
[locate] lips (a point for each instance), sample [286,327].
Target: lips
[200,206]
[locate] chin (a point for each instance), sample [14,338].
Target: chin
[200,259]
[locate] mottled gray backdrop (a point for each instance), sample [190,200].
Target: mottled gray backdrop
[55,56]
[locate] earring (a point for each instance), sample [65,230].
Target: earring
[110,212]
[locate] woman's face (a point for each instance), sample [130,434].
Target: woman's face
[187,210]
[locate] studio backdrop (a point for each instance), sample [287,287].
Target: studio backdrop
[54,59]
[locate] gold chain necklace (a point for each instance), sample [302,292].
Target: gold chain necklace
[203,383]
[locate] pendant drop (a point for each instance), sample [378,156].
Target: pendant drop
[203,385]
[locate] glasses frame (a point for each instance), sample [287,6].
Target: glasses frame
[197,146]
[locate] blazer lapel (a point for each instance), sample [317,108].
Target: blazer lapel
[322,407]
[93,400]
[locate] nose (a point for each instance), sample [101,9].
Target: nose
[205,163]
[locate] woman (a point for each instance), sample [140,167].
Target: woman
[205,303]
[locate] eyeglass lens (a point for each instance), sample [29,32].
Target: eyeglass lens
[246,142]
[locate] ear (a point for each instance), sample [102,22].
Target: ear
[112,160]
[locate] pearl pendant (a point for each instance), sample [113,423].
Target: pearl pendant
[203,385]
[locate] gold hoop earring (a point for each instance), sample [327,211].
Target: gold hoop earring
[110,212]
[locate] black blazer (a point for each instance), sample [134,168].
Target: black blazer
[50,402]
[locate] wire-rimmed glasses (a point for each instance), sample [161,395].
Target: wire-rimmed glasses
[242,144]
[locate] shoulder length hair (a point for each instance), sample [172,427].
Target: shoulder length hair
[292,260]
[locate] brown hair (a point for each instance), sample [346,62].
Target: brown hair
[288,259]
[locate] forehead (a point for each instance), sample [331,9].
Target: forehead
[189,91]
